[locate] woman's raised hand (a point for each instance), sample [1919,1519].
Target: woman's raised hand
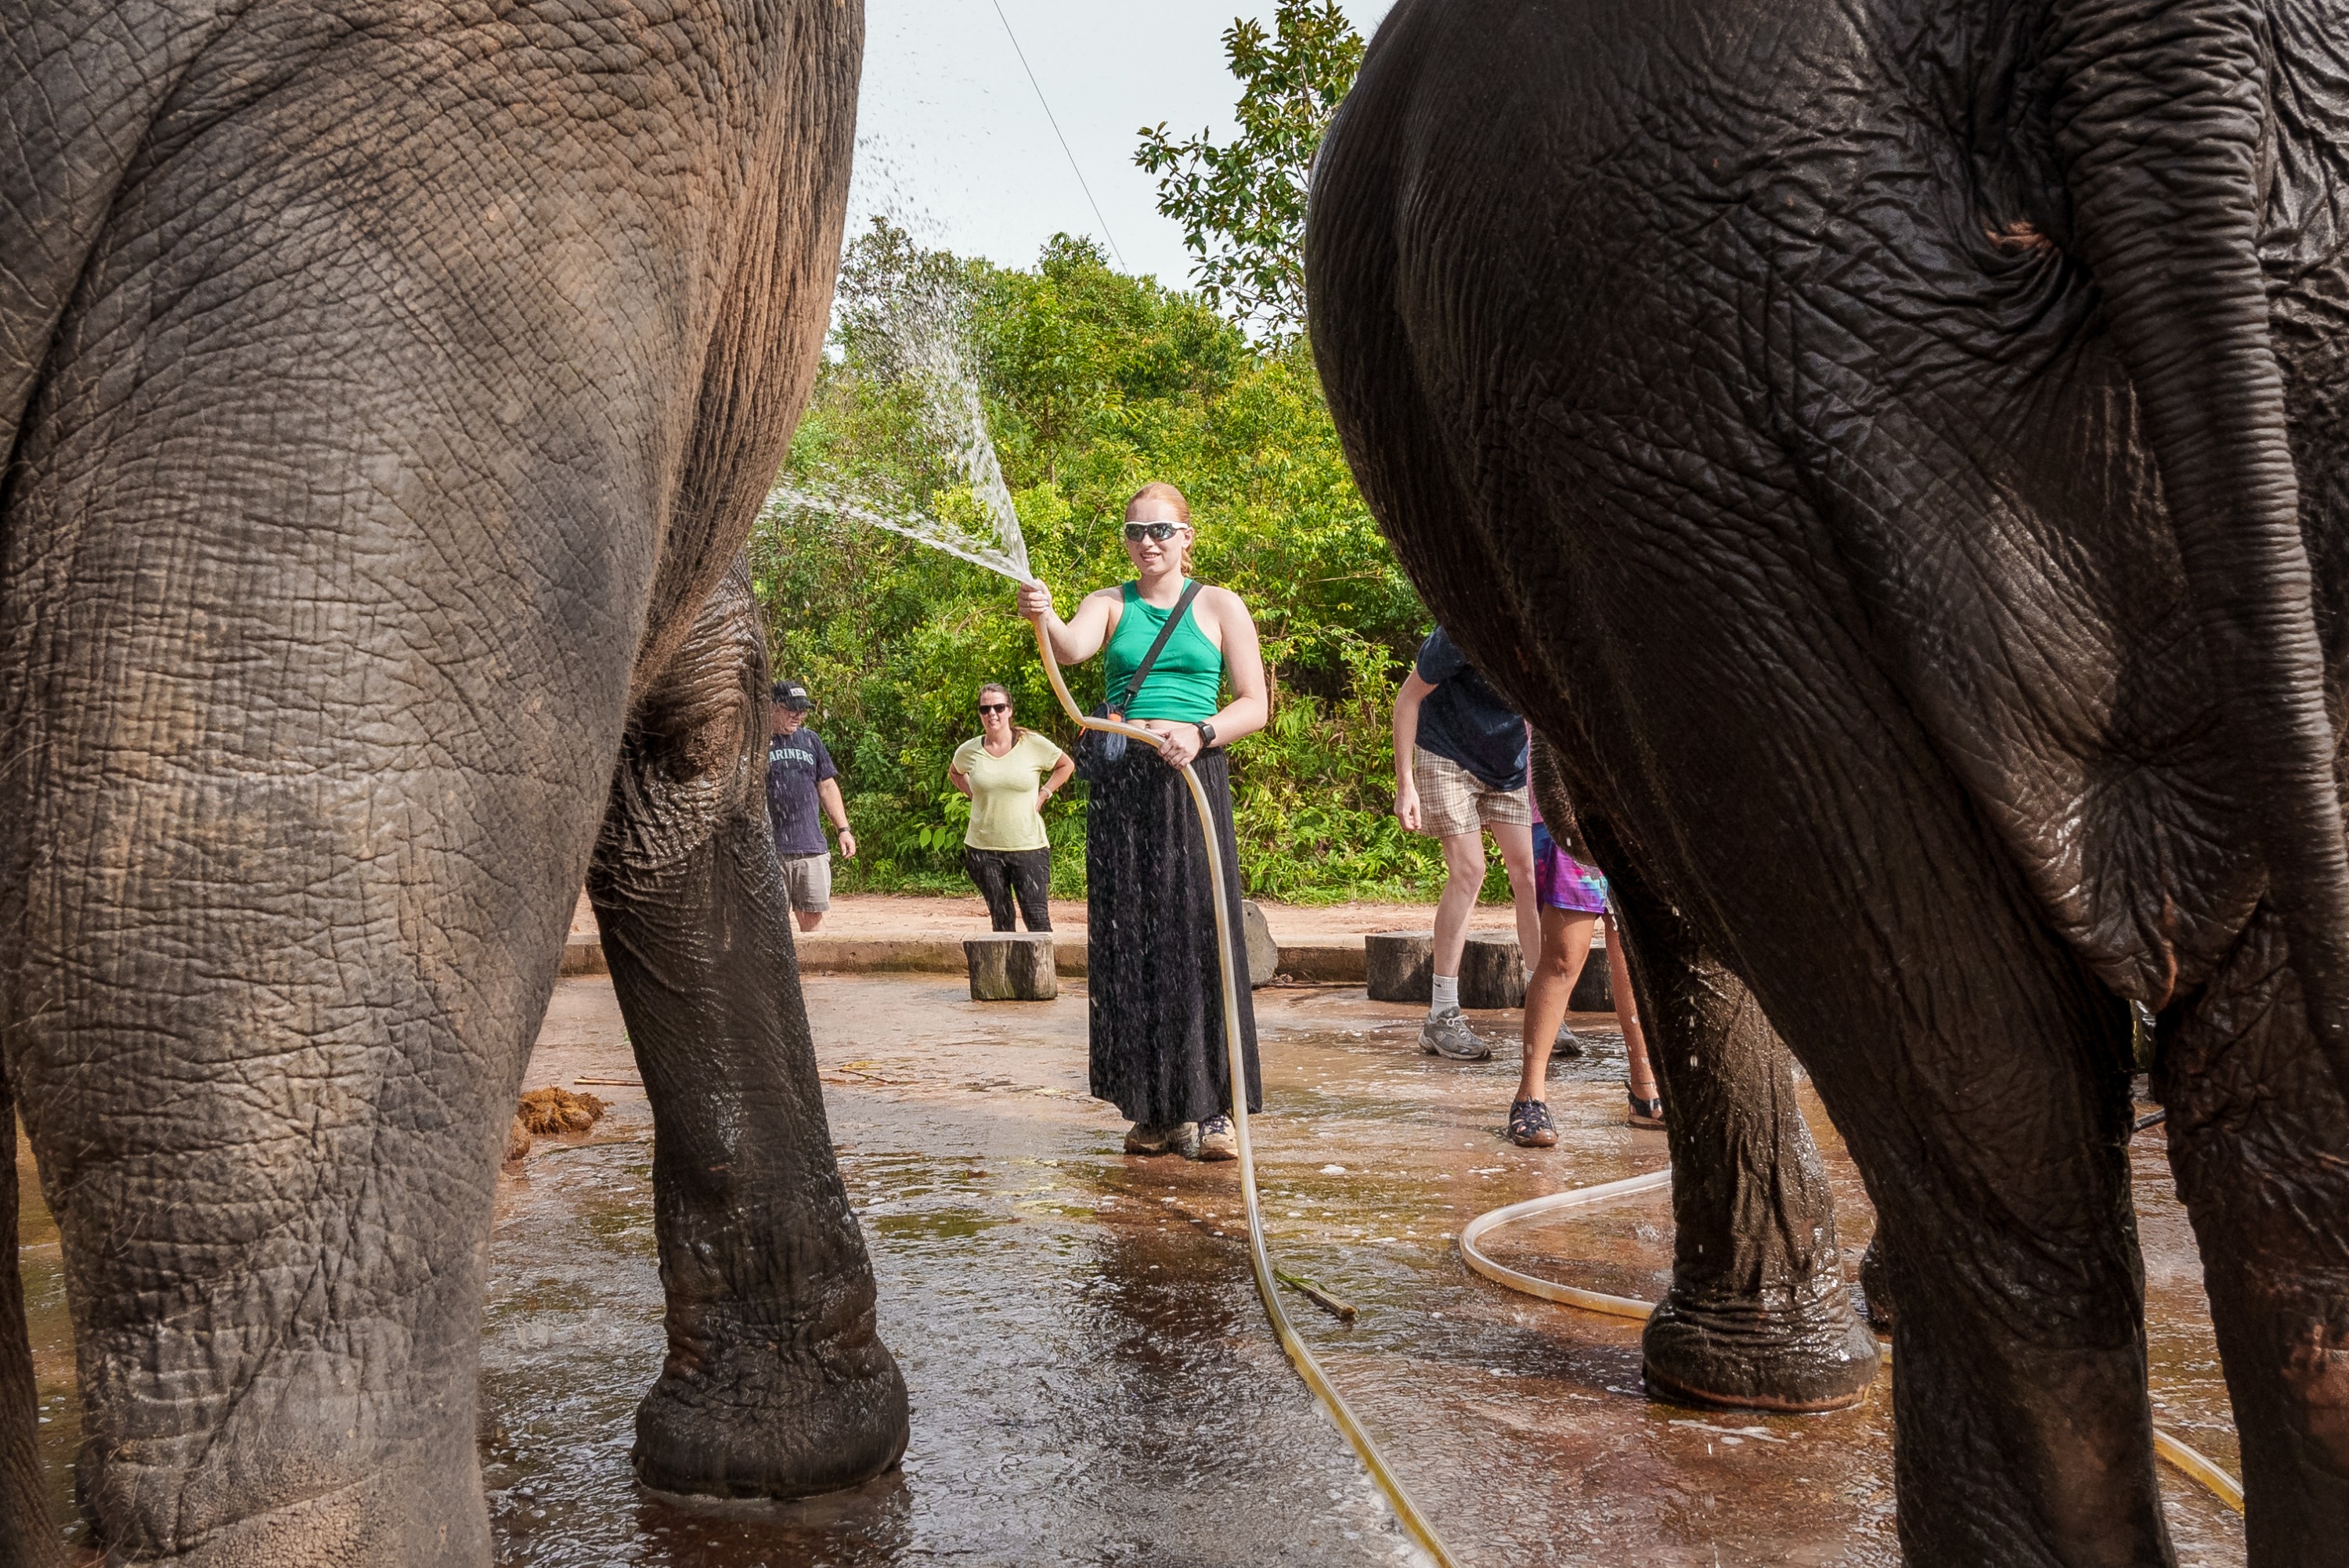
[1035,601]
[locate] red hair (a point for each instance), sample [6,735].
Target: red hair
[1159,489]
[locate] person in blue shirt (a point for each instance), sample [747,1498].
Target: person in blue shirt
[802,789]
[1460,773]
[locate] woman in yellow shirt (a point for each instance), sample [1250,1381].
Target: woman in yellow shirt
[1009,773]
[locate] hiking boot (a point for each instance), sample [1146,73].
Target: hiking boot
[1151,1136]
[1447,1035]
[1216,1140]
[1530,1125]
[1183,1138]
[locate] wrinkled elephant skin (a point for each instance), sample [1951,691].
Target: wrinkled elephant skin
[387,394]
[1896,451]
[1758,1317]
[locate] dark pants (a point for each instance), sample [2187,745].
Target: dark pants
[1003,873]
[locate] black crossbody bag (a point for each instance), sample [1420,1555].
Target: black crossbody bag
[1097,752]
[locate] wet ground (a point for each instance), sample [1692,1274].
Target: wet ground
[1093,1380]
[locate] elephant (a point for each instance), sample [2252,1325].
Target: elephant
[1895,449]
[1758,1315]
[388,392]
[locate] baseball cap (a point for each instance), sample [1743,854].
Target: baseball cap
[793,696]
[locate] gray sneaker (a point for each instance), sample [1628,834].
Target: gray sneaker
[1150,1137]
[1447,1035]
[1567,1043]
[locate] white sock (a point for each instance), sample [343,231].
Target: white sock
[1445,994]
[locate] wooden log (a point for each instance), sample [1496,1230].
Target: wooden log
[1492,970]
[1012,966]
[1396,967]
[1595,992]
[1262,956]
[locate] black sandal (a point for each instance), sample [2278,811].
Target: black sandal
[1646,1114]
[1530,1125]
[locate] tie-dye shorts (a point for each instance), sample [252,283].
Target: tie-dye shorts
[1561,881]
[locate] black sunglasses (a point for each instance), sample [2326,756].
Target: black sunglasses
[994,708]
[1162,532]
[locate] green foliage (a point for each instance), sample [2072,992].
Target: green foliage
[1242,206]
[1094,383]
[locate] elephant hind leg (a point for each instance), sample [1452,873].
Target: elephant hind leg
[27,1534]
[776,1383]
[2259,1140]
[1757,1316]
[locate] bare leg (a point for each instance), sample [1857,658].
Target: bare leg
[1463,862]
[1627,1014]
[1516,842]
[1564,948]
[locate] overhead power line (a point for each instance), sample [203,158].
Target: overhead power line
[1055,123]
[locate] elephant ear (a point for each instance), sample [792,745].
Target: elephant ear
[2160,122]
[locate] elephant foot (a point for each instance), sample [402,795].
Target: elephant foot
[1808,1354]
[739,1419]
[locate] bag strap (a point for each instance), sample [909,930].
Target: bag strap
[1141,670]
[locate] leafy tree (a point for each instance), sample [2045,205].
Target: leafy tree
[1093,382]
[1242,206]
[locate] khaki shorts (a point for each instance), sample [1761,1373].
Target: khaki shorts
[1452,800]
[807,882]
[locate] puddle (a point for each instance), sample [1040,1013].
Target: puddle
[1092,1381]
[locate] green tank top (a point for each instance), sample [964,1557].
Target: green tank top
[1186,684]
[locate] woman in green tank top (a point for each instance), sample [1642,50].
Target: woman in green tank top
[1152,975]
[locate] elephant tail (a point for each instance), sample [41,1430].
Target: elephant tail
[2160,122]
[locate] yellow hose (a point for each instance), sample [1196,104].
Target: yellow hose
[1405,1511]
[2222,1486]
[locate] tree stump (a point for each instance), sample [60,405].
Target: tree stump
[1263,953]
[1492,970]
[1012,966]
[1396,965]
[1595,992]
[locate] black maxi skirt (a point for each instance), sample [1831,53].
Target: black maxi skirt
[1157,1006]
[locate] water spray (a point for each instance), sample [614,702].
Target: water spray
[922,334]
[922,330]
[1260,1261]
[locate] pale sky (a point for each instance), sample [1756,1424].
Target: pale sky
[951,142]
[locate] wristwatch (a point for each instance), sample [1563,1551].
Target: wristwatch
[1206,735]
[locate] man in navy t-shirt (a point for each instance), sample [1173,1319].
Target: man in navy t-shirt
[802,783]
[1460,771]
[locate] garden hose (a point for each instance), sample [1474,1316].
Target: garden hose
[1406,1511]
[2222,1486]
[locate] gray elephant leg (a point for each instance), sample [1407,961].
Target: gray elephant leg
[2259,1138]
[777,1383]
[1991,1125]
[1757,1315]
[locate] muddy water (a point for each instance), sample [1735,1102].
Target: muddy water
[1090,1375]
